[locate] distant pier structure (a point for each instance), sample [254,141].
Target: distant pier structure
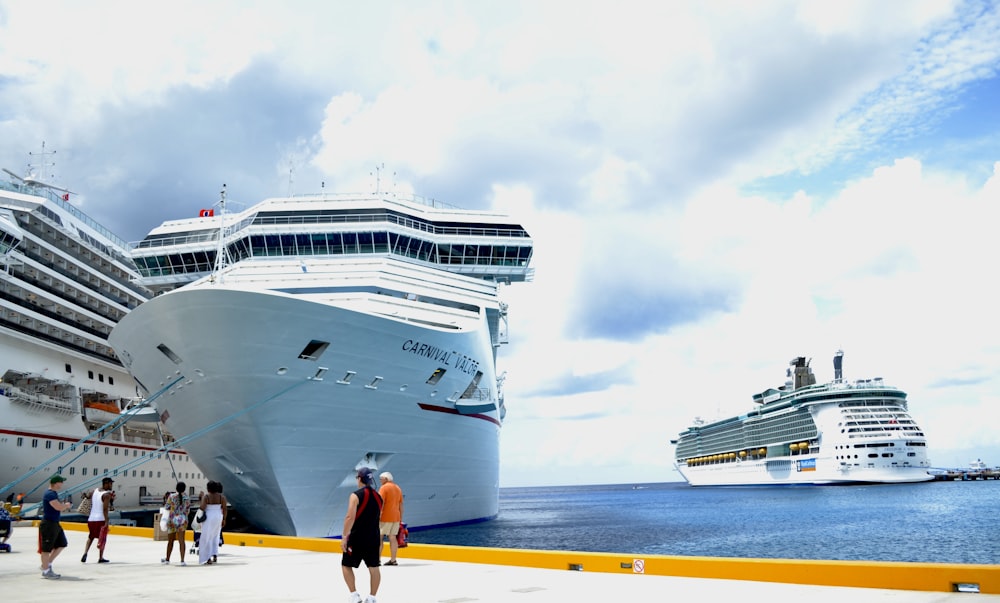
[977,470]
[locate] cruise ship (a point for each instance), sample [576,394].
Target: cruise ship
[293,342]
[807,433]
[67,404]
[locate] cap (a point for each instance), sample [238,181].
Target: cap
[386,476]
[365,475]
[55,479]
[107,480]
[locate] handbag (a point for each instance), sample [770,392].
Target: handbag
[164,518]
[402,536]
[84,507]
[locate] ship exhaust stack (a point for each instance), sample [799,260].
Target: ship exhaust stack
[838,366]
[802,375]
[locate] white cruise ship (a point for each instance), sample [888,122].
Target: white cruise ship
[64,283]
[808,433]
[296,341]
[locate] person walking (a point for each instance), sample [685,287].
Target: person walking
[51,537]
[178,505]
[361,540]
[392,514]
[99,520]
[213,505]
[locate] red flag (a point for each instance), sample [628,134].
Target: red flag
[65,196]
[206,213]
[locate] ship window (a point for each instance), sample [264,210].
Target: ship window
[436,376]
[111,380]
[34,443]
[100,377]
[83,471]
[72,470]
[48,443]
[169,353]
[69,369]
[90,374]
[62,445]
[365,243]
[313,350]
[20,441]
[873,456]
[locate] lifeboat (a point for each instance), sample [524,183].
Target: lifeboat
[104,406]
[100,412]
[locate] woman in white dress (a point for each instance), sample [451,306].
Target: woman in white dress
[213,505]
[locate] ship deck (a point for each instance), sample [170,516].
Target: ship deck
[268,568]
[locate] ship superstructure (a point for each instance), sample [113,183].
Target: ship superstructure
[316,334]
[809,433]
[65,281]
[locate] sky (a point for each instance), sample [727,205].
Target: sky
[713,188]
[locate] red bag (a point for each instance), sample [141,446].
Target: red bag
[402,536]
[103,539]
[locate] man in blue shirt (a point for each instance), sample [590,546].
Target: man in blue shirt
[51,537]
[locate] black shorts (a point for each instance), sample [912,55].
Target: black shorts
[50,536]
[368,550]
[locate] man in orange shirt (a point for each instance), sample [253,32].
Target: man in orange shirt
[392,513]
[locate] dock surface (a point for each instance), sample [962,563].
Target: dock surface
[264,573]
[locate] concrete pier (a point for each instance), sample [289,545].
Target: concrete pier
[269,568]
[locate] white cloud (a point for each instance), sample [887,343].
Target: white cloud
[713,188]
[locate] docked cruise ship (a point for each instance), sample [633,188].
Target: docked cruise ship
[295,341]
[809,433]
[66,402]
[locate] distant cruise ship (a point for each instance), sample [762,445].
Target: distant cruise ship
[307,336]
[64,282]
[804,433]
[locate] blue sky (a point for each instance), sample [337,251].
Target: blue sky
[713,188]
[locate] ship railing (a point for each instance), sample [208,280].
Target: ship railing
[41,191]
[36,400]
[478,393]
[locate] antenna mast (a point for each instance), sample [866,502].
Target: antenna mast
[42,164]
[220,258]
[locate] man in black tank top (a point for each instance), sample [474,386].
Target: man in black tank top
[361,540]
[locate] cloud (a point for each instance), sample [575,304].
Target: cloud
[711,188]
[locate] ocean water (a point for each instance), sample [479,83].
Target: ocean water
[940,522]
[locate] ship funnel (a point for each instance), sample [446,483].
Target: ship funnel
[838,365]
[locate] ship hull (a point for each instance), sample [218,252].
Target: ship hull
[798,471]
[35,429]
[284,431]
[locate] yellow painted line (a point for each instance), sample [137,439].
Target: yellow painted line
[941,577]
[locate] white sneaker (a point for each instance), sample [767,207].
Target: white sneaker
[54,576]
[183,564]
[354,598]
[164,561]
[370,599]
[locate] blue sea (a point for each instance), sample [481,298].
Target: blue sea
[940,522]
